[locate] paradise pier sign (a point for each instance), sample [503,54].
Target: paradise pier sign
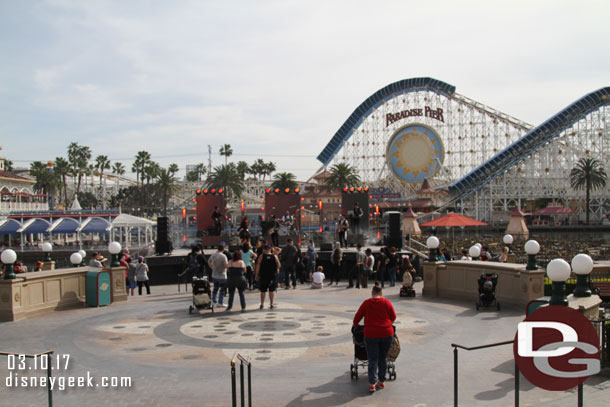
[427,111]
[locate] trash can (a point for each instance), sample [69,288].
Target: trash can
[98,288]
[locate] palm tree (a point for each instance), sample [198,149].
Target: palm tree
[342,175]
[173,168]
[78,157]
[8,165]
[243,168]
[283,180]
[268,169]
[46,180]
[102,163]
[141,161]
[197,173]
[166,183]
[227,151]
[227,177]
[588,174]
[151,171]
[62,169]
[118,169]
[257,168]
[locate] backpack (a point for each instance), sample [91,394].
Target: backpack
[193,264]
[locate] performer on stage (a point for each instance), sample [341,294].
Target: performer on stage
[356,216]
[342,230]
[216,217]
[275,226]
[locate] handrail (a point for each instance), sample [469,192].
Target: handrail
[248,363]
[491,345]
[455,368]
[49,370]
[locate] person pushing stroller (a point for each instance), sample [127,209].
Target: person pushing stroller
[379,315]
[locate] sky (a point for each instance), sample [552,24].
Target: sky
[275,79]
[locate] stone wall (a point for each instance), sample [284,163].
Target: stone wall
[459,280]
[36,293]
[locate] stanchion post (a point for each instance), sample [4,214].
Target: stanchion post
[580,395]
[49,374]
[233,384]
[455,377]
[241,382]
[249,384]
[517,377]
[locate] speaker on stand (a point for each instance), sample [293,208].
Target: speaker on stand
[163,244]
[394,237]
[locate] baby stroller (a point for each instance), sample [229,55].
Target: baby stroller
[202,294]
[361,358]
[407,290]
[487,291]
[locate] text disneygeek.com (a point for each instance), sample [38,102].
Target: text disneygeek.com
[21,369]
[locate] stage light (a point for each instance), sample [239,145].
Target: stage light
[243,206]
[345,189]
[220,191]
[320,204]
[376,209]
[267,191]
[198,192]
[205,191]
[366,189]
[359,189]
[183,213]
[297,190]
[351,189]
[194,200]
[276,190]
[194,217]
[212,191]
[287,190]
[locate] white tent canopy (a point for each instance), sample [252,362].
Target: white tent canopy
[123,226]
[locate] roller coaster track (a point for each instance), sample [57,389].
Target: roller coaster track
[526,145]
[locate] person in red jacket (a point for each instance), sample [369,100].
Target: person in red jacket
[378,314]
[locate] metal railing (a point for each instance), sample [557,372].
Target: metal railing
[455,368]
[49,368]
[517,373]
[243,361]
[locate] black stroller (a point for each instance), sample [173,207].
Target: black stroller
[487,291]
[202,294]
[361,358]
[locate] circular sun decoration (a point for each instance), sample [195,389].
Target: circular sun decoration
[415,152]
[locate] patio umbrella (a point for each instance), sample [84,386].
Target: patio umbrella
[452,220]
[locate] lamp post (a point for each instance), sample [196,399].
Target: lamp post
[582,265]
[114,248]
[83,254]
[531,248]
[433,243]
[9,257]
[558,271]
[508,241]
[47,248]
[75,259]
[474,252]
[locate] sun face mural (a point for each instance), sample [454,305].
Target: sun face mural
[415,152]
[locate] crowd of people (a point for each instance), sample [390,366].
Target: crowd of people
[267,268]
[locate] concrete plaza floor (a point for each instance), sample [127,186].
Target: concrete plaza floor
[301,353]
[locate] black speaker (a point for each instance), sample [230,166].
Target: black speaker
[163,246]
[326,247]
[162,228]
[394,232]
